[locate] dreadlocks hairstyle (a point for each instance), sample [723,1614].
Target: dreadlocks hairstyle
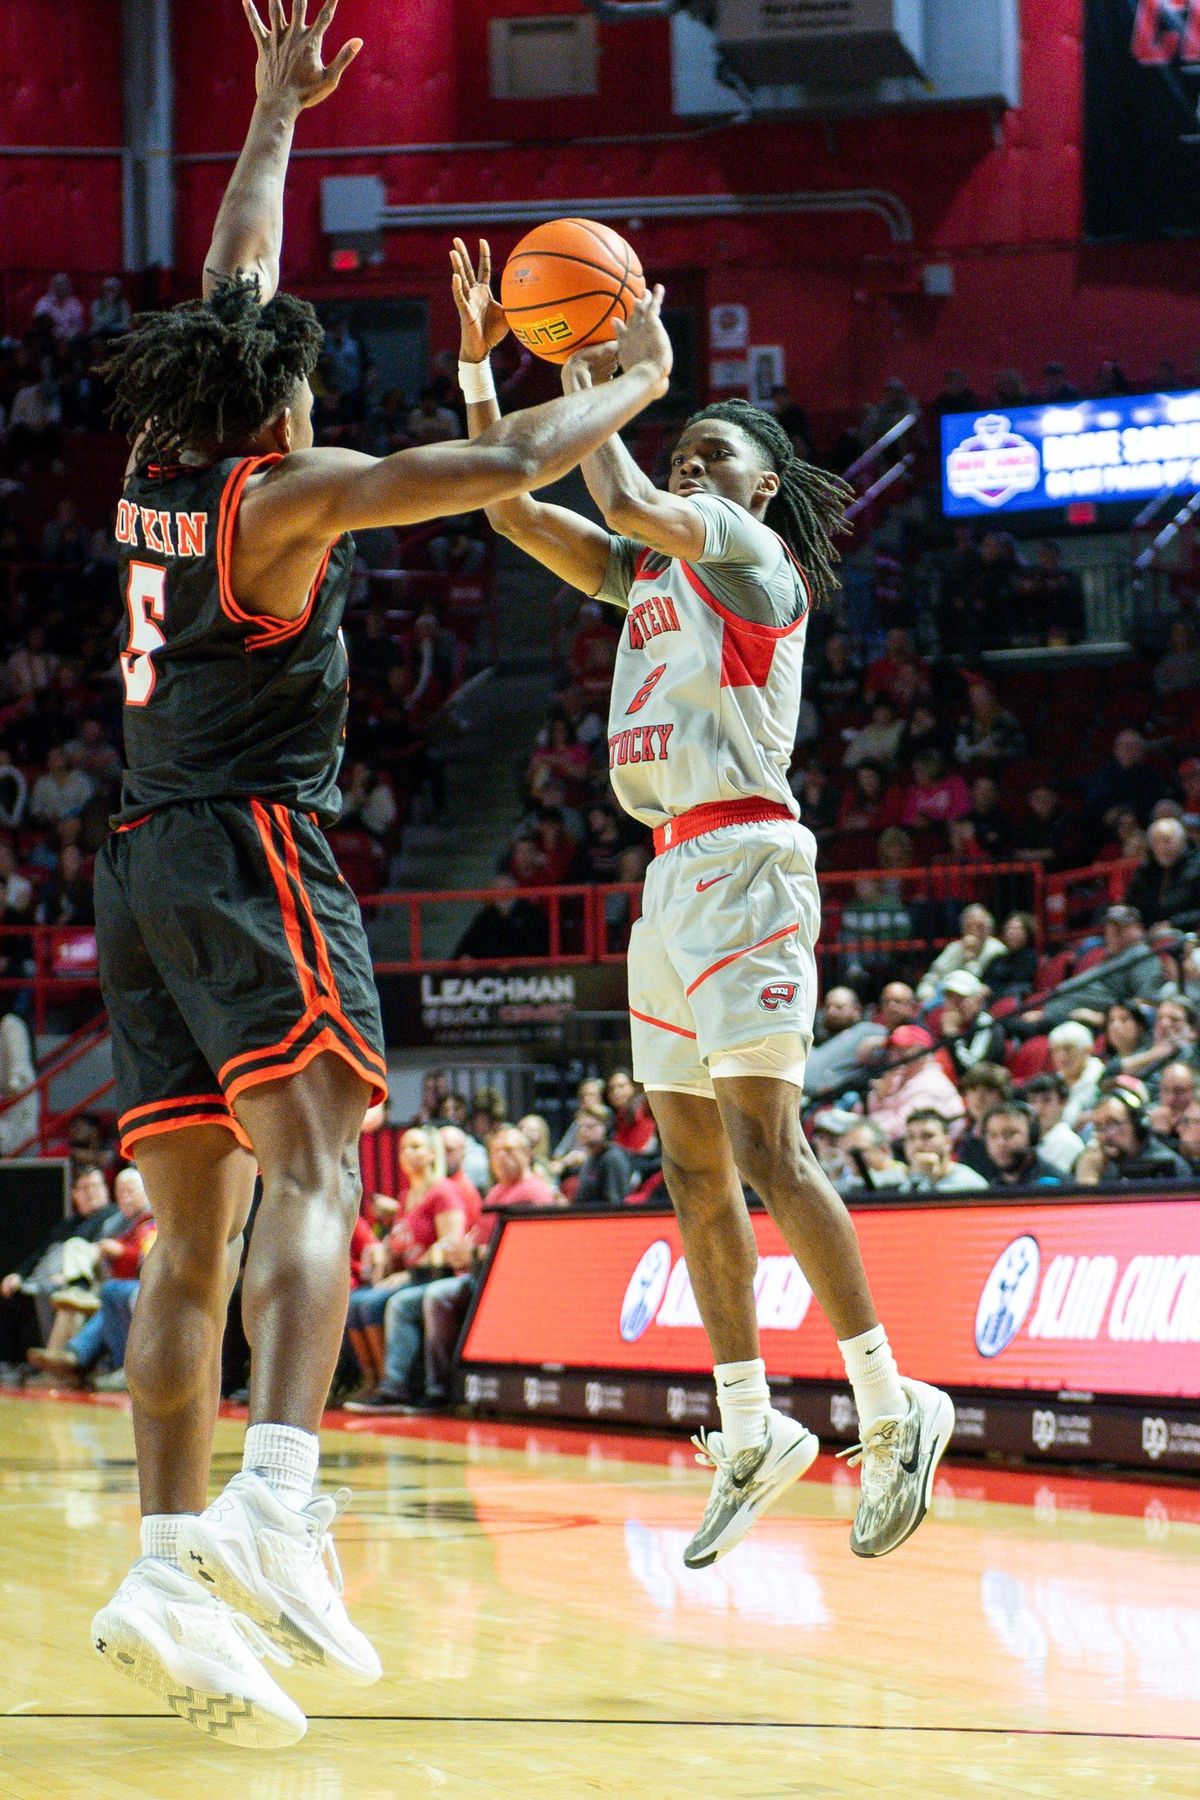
[211,371]
[809,511]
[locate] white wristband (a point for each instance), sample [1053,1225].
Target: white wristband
[476,382]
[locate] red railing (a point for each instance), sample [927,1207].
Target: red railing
[1074,897]
[55,963]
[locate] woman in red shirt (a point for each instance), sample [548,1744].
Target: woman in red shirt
[434,1210]
[633,1122]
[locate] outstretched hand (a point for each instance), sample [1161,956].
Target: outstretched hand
[480,314]
[290,73]
[643,337]
[595,362]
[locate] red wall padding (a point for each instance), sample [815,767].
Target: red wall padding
[60,83]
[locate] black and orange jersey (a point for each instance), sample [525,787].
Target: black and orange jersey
[222,704]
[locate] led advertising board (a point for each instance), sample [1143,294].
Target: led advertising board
[1110,452]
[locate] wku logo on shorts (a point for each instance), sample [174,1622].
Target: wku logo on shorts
[777,994]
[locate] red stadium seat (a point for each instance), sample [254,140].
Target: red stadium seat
[1023,1061]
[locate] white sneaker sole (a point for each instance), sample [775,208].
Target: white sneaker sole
[943,1431]
[207,1559]
[791,1467]
[130,1646]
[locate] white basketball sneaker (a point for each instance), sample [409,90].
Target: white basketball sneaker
[746,1483]
[278,1565]
[194,1652]
[899,1459]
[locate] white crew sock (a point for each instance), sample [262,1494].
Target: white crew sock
[871,1369]
[285,1458]
[160,1535]
[745,1400]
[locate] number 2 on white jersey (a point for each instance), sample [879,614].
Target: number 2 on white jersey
[145,596]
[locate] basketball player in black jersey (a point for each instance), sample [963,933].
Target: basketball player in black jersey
[246,1030]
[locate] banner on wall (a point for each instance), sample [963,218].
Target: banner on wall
[1141,126]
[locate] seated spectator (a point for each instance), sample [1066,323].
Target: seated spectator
[1167,884]
[368,802]
[1056,389]
[878,741]
[1176,1092]
[956,395]
[835,680]
[989,734]
[867,1160]
[110,310]
[1123,839]
[968,1031]
[876,918]
[844,1043]
[987,816]
[934,797]
[633,1122]
[825,1131]
[974,949]
[1058,1144]
[536,1132]
[1127,1032]
[913,1080]
[606,1174]
[1187,1139]
[1126,1148]
[561,755]
[1177,670]
[568,1155]
[818,797]
[1130,970]
[122,1253]
[430,422]
[593,652]
[68,898]
[927,1153]
[603,845]
[869,804]
[1014,974]
[62,792]
[1043,834]
[14,792]
[1072,1051]
[898,1005]
[983,1087]
[1126,778]
[1049,599]
[35,417]
[506,927]
[25,1310]
[422,1323]
[900,675]
[31,668]
[457,553]
[1010,1133]
[62,309]
[434,1211]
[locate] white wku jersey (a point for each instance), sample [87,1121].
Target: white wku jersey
[704,703]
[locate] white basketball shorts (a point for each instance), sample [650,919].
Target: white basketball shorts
[723,954]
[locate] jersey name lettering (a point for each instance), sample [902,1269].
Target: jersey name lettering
[637,745]
[167,533]
[650,618]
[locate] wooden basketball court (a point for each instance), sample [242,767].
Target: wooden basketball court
[542,1640]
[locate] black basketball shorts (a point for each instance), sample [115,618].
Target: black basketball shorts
[231,953]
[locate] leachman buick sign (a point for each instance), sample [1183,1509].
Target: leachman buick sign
[496,1005]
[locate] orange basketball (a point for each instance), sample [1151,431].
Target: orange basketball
[566,284]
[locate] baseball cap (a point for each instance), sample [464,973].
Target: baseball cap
[910,1037]
[1122,915]
[964,984]
[835,1119]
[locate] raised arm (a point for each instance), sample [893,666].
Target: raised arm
[290,76]
[571,547]
[628,500]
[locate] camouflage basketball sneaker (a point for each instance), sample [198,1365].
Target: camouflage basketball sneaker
[746,1483]
[899,1459]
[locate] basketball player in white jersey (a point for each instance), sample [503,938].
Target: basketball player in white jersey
[716,577]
